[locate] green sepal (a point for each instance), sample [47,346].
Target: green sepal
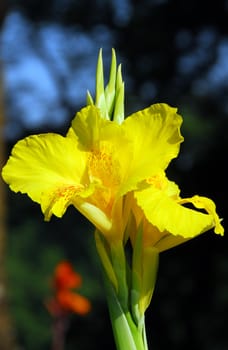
[144,273]
[136,286]
[100,100]
[89,99]
[118,114]
[120,267]
[105,259]
[109,99]
[110,90]
[150,260]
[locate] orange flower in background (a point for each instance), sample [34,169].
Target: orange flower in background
[65,300]
[66,277]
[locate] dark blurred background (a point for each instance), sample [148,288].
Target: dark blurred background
[171,51]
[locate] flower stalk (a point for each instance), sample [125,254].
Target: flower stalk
[128,332]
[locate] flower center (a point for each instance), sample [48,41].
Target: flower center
[103,170]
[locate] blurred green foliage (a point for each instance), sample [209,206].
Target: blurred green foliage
[33,250]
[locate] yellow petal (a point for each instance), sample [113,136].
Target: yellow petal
[110,151]
[209,206]
[167,214]
[92,130]
[138,148]
[87,126]
[50,169]
[155,139]
[169,241]
[152,237]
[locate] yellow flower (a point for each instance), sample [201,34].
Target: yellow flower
[113,170]
[96,164]
[100,162]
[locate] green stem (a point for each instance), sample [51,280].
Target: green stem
[126,334]
[128,330]
[144,337]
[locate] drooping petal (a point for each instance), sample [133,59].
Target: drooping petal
[155,139]
[209,206]
[168,241]
[152,236]
[167,214]
[50,169]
